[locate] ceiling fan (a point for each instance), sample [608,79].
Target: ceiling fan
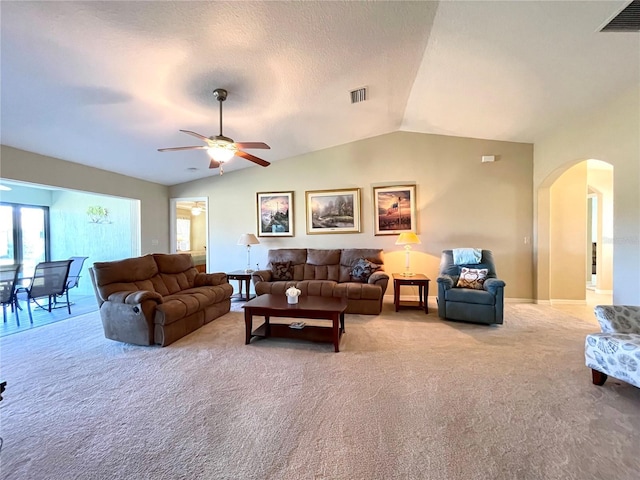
[221,149]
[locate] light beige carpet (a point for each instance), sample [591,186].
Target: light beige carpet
[408,397]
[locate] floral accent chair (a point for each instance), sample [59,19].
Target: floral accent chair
[615,351]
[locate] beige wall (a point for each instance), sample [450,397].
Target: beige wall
[461,202]
[199,232]
[154,199]
[568,230]
[612,134]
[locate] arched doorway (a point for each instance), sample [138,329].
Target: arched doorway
[575,235]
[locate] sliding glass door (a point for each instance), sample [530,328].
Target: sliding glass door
[24,235]
[7,248]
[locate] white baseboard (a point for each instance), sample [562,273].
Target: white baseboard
[542,302]
[518,300]
[560,301]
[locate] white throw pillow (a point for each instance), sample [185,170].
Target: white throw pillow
[472,277]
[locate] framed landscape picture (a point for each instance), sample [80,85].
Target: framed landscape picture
[275,214]
[395,209]
[333,211]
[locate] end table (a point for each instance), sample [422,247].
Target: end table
[419,280]
[243,278]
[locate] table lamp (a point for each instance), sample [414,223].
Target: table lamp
[407,239]
[248,239]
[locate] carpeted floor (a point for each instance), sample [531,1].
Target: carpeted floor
[408,397]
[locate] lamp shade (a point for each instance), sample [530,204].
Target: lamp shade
[248,239]
[407,238]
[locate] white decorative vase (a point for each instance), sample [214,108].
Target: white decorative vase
[292,294]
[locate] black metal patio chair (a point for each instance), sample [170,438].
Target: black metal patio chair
[8,280]
[72,280]
[49,280]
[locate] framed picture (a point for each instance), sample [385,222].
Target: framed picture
[275,214]
[395,209]
[333,211]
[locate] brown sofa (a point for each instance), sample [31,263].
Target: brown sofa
[157,298]
[327,273]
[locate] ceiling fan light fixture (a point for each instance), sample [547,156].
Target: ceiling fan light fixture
[221,154]
[222,150]
[196,210]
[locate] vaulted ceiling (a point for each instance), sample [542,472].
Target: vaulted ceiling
[106,84]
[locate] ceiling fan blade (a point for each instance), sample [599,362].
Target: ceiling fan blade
[253,159]
[201,137]
[173,149]
[245,145]
[214,164]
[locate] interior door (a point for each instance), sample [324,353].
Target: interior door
[190,229]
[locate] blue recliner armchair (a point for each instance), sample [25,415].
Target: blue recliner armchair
[485,305]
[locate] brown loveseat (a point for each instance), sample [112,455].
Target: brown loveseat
[157,298]
[327,273]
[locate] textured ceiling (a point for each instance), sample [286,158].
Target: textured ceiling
[107,83]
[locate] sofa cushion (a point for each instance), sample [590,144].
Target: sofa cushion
[129,270]
[177,282]
[472,278]
[281,271]
[362,270]
[275,288]
[357,291]
[322,272]
[350,256]
[297,257]
[174,262]
[188,302]
[127,275]
[318,288]
[323,257]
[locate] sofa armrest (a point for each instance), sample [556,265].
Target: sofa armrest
[210,279]
[379,278]
[260,276]
[134,297]
[618,318]
[492,285]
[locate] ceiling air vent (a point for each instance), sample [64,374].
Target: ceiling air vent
[359,95]
[628,20]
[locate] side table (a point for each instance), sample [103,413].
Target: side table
[419,280]
[243,279]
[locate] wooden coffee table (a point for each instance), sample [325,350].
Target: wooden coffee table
[316,308]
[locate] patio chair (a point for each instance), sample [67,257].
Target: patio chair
[49,280]
[8,281]
[72,280]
